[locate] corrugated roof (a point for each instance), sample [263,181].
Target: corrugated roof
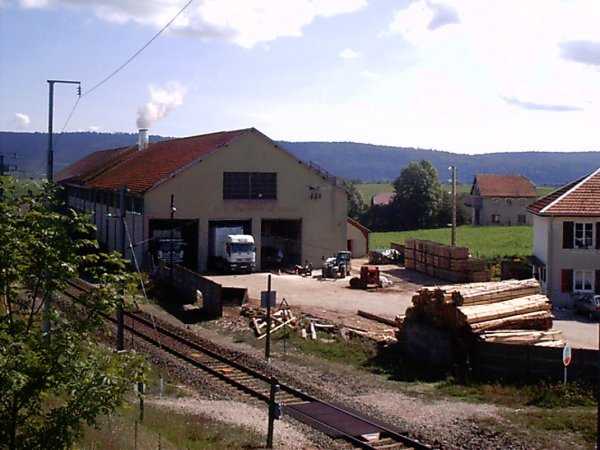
[492,185]
[141,170]
[580,198]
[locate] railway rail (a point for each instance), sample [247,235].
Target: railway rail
[336,421]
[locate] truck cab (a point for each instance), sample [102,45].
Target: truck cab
[236,252]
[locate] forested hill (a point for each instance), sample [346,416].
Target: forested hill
[69,147]
[346,159]
[375,162]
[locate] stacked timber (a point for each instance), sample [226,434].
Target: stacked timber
[444,261]
[511,311]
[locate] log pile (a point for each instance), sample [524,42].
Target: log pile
[511,311]
[444,261]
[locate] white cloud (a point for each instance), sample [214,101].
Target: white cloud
[370,75]
[163,100]
[30,4]
[539,106]
[348,53]
[21,120]
[245,22]
[416,22]
[94,128]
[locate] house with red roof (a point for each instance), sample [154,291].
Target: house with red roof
[566,244]
[239,179]
[501,199]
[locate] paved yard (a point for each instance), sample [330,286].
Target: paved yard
[334,295]
[578,331]
[335,298]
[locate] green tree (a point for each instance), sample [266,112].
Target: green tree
[356,204]
[51,385]
[418,196]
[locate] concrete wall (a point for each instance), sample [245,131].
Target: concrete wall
[187,283]
[198,192]
[360,242]
[548,243]
[508,209]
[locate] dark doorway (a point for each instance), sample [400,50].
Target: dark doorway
[280,235]
[182,242]
[245,225]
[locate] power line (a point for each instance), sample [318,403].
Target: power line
[121,67]
[132,57]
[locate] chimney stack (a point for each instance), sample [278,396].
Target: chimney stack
[143,138]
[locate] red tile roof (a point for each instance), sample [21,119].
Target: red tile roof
[138,170]
[492,185]
[93,163]
[383,198]
[580,198]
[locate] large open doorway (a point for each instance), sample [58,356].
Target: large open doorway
[242,226]
[280,239]
[174,240]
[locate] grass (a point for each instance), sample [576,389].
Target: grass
[368,190]
[484,242]
[353,352]
[542,395]
[165,429]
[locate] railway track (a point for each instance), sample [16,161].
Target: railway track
[336,421]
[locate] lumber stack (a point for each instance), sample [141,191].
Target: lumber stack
[444,261]
[511,311]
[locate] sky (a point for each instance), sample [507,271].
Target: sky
[469,76]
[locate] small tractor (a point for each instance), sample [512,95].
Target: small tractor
[338,266]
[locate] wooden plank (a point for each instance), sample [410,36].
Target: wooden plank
[376,318]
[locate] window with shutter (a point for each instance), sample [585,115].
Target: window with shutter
[568,235]
[566,280]
[598,235]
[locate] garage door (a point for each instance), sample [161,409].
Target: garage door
[280,235]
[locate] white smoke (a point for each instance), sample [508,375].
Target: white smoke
[163,100]
[22,120]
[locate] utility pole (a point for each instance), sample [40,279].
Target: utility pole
[171,239]
[120,315]
[273,413]
[51,83]
[453,239]
[268,340]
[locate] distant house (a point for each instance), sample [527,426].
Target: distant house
[382,199]
[501,199]
[566,243]
[358,238]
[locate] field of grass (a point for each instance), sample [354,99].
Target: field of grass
[368,190]
[484,242]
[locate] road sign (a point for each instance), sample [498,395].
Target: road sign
[265,300]
[567,355]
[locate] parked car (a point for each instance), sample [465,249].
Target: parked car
[588,305]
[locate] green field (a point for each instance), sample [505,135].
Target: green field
[368,190]
[484,242]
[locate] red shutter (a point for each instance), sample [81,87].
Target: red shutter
[568,234]
[598,235]
[566,280]
[597,282]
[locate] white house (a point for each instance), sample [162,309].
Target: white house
[566,244]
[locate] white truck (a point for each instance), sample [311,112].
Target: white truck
[234,250]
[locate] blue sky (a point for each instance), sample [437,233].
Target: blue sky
[454,75]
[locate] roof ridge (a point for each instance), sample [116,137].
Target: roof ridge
[569,191]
